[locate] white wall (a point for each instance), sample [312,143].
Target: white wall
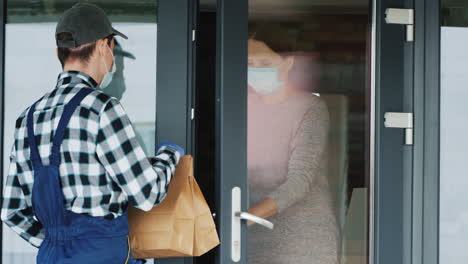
[454,146]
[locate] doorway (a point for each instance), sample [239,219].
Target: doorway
[328,47]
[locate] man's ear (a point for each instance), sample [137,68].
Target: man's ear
[100,45]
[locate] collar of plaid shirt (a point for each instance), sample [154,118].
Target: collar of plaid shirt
[75,77]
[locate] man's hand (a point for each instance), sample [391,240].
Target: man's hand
[172,145]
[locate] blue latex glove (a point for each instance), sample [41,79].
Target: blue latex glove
[174,146]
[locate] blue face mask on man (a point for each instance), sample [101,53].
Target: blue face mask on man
[108,76]
[264,81]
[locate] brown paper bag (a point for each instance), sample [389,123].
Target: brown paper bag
[181,226]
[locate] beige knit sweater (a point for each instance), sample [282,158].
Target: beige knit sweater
[286,162]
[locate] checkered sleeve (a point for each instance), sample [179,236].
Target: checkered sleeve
[17,210]
[118,150]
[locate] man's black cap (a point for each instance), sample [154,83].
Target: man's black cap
[86,23]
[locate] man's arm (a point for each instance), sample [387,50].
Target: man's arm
[17,211]
[118,150]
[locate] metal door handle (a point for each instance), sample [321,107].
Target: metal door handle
[255,219]
[236,216]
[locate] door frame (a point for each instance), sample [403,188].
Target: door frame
[231,116]
[175,77]
[426,159]
[175,72]
[391,162]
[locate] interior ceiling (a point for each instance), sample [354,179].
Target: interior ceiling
[72,2]
[296,6]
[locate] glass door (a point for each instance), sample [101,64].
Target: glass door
[306,132]
[141,86]
[306,170]
[307,119]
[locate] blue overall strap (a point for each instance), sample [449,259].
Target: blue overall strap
[63,123]
[36,159]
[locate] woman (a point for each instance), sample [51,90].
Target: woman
[287,136]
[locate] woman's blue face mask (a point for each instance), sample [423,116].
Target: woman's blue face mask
[264,81]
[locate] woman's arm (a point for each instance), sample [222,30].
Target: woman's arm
[307,149]
[264,209]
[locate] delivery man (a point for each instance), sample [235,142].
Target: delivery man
[76,164]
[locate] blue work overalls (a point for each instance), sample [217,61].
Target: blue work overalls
[71,238]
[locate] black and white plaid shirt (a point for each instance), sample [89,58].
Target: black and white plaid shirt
[103,167]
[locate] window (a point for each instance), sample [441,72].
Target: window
[31,69]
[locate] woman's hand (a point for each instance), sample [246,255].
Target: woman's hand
[264,209]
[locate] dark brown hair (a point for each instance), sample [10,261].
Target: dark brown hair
[274,35]
[82,53]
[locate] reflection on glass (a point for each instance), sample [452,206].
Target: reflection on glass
[306,132]
[29,11]
[144,125]
[453,218]
[31,71]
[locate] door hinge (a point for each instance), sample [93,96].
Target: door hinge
[401,120]
[194,33]
[402,17]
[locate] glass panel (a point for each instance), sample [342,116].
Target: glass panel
[453,128]
[30,52]
[307,125]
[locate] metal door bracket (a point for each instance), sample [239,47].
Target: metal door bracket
[401,120]
[402,17]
